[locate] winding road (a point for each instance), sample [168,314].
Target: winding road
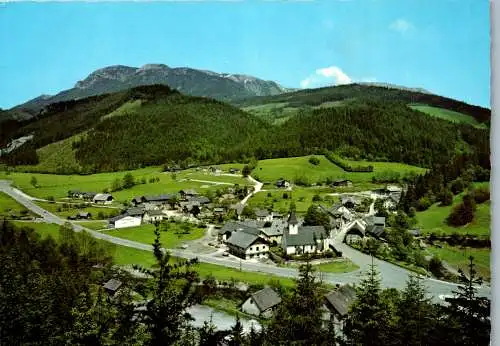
[391,275]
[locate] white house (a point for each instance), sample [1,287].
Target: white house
[247,246]
[304,239]
[152,216]
[262,303]
[124,220]
[103,198]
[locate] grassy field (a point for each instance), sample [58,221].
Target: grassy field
[170,239]
[446,114]
[276,113]
[59,185]
[192,174]
[434,219]
[42,228]
[56,208]
[457,257]
[9,206]
[300,168]
[337,267]
[301,196]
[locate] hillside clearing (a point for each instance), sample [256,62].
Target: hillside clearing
[447,114]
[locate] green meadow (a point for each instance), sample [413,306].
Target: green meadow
[457,257]
[174,236]
[302,196]
[434,219]
[58,186]
[299,168]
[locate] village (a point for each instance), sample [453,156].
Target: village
[260,235]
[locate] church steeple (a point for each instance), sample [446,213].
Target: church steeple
[293,224]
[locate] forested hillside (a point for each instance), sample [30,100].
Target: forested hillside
[352,92]
[154,124]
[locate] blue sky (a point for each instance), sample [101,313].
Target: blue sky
[442,46]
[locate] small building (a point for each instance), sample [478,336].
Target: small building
[262,303]
[338,302]
[158,202]
[215,170]
[234,170]
[282,183]
[247,246]
[152,216]
[342,183]
[219,211]
[124,220]
[135,211]
[349,201]
[393,189]
[88,196]
[238,208]
[274,233]
[375,226]
[187,194]
[263,215]
[84,215]
[103,198]
[112,286]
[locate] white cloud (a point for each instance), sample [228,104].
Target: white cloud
[332,75]
[401,25]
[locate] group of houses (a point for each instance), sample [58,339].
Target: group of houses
[96,198]
[251,239]
[336,304]
[152,209]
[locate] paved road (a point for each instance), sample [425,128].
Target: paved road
[391,275]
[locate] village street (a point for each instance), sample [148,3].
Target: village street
[391,275]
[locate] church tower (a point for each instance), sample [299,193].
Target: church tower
[293,224]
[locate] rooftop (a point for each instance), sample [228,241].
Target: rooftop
[341,298]
[242,239]
[266,299]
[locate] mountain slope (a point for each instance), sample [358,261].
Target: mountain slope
[187,80]
[151,125]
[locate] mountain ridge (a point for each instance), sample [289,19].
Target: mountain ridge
[190,81]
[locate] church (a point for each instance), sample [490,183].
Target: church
[298,239]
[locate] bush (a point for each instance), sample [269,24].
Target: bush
[436,266]
[463,213]
[314,160]
[316,198]
[481,195]
[424,203]
[285,195]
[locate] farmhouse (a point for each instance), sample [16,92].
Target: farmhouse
[152,216]
[375,226]
[124,220]
[305,239]
[342,183]
[247,246]
[262,303]
[338,303]
[281,183]
[263,215]
[103,198]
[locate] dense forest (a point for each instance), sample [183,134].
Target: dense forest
[170,127]
[52,294]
